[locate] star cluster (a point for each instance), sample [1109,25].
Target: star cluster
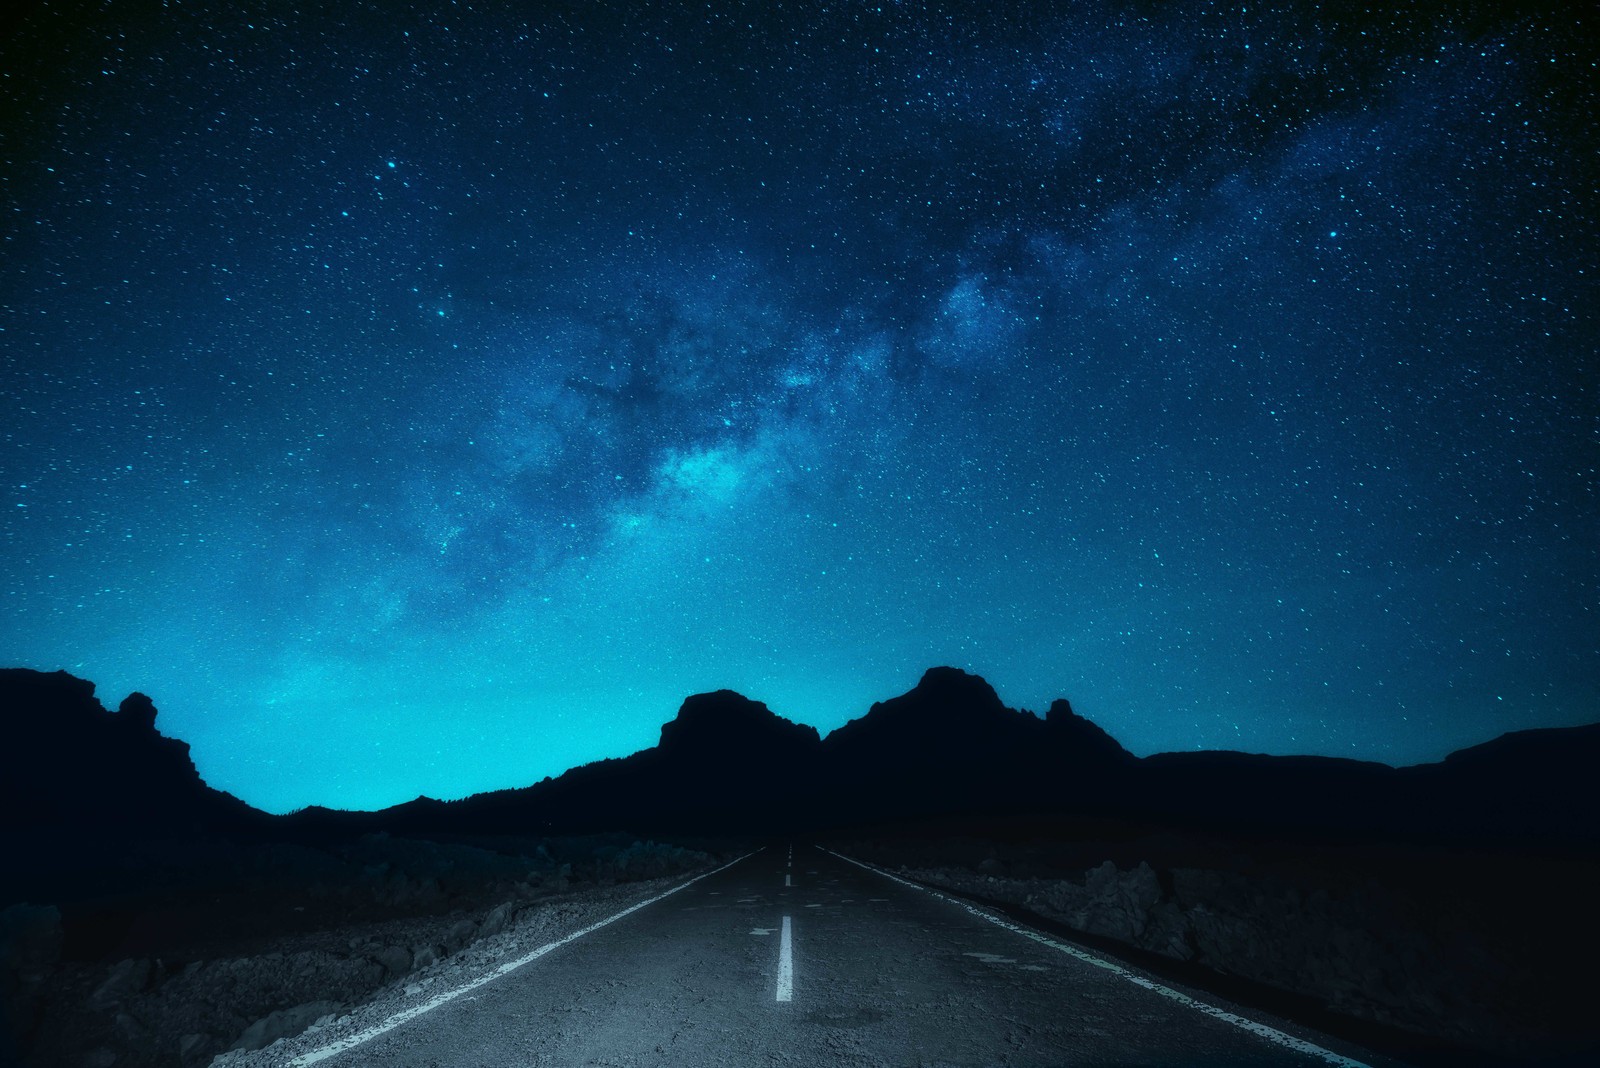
[427,397]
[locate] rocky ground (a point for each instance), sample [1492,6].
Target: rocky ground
[180,979]
[1449,953]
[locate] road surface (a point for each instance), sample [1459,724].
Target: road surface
[794,956]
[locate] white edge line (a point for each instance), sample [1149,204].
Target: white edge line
[1271,1034]
[352,1041]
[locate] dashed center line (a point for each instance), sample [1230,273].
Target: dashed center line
[785,965]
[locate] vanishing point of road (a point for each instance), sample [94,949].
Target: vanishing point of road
[796,956]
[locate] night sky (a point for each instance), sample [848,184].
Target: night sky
[426,398]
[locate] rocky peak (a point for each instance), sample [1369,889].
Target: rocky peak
[725,723]
[69,761]
[138,711]
[954,688]
[946,700]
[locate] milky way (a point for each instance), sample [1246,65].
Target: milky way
[424,399]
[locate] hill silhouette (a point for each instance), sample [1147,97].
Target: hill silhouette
[729,765]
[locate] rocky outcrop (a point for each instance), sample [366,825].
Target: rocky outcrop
[949,745]
[724,727]
[729,763]
[67,764]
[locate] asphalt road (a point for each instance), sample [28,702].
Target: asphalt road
[872,972]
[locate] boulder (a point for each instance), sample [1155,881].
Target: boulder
[497,920]
[196,1048]
[284,1023]
[459,936]
[395,960]
[126,978]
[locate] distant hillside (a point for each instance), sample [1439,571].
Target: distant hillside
[729,765]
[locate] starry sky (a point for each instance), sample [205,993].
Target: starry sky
[425,398]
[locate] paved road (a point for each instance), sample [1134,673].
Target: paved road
[873,972]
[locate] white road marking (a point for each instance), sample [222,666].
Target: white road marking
[785,966]
[1271,1034]
[761,930]
[405,1015]
[786,880]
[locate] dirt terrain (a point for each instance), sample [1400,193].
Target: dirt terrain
[1431,952]
[294,935]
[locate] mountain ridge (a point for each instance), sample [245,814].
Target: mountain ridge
[728,764]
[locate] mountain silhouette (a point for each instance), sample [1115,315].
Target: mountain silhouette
[65,761]
[949,745]
[726,764]
[721,746]
[726,731]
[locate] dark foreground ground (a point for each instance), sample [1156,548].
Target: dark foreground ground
[170,953]
[1435,952]
[173,955]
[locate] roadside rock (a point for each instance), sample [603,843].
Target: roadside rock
[396,960]
[284,1023]
[126,978]
[498,918]
[196,1049]
[458,936]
